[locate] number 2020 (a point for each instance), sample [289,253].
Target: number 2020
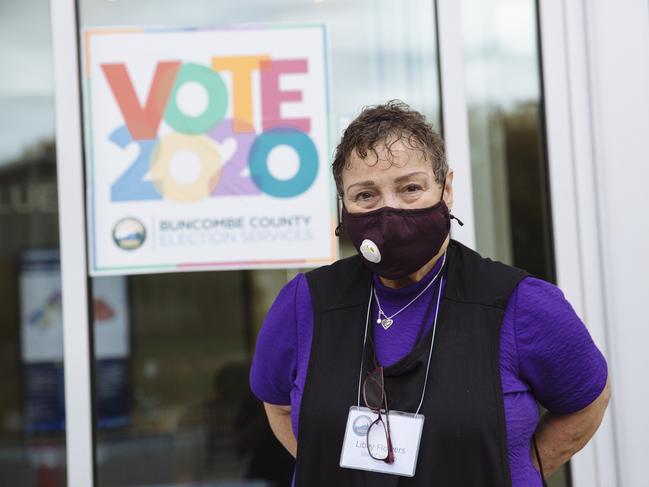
[215,176]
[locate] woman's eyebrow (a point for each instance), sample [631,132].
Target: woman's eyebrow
[409,175]
[361,183]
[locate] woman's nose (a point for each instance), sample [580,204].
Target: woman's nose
[390,199]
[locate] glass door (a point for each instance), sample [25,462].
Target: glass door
[171,387]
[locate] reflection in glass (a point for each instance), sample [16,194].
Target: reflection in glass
[512,214]
[32,409]
[508,161]
[188,414]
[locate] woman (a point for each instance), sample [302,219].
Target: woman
[418,362]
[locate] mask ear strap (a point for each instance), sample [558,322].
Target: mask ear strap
[453,217]
[338,228]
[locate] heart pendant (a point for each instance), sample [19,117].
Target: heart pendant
[386,323]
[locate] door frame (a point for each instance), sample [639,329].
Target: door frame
[455,114]
[72,232]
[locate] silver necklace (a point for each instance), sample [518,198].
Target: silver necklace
[387,321]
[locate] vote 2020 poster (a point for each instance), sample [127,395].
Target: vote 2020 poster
[207,149]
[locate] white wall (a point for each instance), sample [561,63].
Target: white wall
[596,75]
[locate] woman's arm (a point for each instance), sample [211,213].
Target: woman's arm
[279,418]
[560,436]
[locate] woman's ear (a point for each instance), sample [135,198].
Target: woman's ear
[447,195]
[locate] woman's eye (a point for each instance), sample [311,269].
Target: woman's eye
[364,196]
[411,188]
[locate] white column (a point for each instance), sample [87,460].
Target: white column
[596,76]
[455,115]
[73,246]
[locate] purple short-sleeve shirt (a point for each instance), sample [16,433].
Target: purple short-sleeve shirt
[546,355]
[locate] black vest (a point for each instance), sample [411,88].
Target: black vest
[464,441]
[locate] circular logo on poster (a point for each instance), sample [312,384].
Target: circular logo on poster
[129,233]
[361,425]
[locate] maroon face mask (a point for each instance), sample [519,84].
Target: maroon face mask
[394,243]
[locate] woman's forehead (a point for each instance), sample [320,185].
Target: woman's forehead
[387,164]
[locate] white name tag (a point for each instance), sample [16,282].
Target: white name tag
[405,432]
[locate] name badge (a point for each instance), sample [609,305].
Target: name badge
[405,432]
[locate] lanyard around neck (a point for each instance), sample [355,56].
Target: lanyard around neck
[430,352]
